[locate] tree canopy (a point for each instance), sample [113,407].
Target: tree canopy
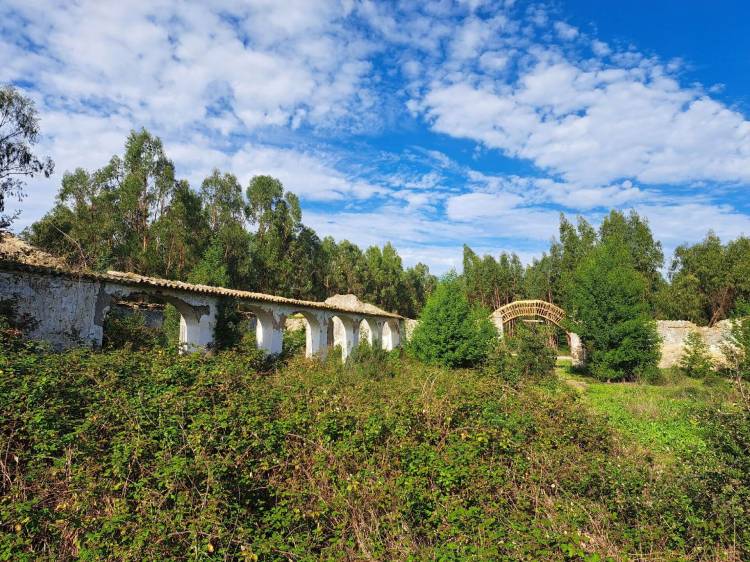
[19,132]
[133,214]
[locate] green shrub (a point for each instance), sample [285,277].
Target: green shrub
[372,361]
[294,342]
[450,332]
[147,455]
[696,360]
[720,478]
[533,356]
[128,329]
[736,349]
[526,356]
[611,314]
[500,362]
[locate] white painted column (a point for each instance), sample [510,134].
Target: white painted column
[577,351]
[269,332]
[197,325]
[316,335]
[345,334]
[375,331]
[391,336]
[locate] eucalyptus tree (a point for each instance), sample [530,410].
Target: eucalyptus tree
[19,132]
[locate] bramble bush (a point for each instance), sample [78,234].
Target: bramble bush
[129,329]
[148,455]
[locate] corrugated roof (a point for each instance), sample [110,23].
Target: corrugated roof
[133,279]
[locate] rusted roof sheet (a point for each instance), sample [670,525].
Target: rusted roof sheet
[133,279]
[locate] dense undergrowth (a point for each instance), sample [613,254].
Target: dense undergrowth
[147,455]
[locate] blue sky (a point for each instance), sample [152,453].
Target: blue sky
[426,124]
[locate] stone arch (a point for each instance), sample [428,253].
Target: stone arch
[391,334]
[269,332]
[343,331]
[316,340]
[371,331]
[197,319]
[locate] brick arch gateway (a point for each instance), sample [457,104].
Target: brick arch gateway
[505,317]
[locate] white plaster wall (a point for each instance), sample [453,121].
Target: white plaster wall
[61,311]
[674,332]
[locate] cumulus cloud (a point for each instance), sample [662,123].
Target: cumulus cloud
[597,123]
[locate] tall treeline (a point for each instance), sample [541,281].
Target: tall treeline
[704,282]
[135,215]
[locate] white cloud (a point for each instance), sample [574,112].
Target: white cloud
[565,30]
[589,121]
[479,205]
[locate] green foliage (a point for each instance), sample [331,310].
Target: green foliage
[736,349]
[708,279]
[724,475]
[696,360]
[128,329]
[607,303]
[133,455]
[491,283]
[525,357]
[294,342]
[500,362]
[373,362]
[134,215]
[19,132]
[450,332]
[533,356]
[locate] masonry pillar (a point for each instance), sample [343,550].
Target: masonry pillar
[269,330]
[316,335]
[197,324]
[345,334]
[375,331]
[391,335]
[577,351]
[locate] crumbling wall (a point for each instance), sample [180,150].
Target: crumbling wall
[63,311]
[674,332]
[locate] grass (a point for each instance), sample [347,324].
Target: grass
[663,419]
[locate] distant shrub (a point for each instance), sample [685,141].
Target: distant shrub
[534,358]
[128,329]
[500,362]
[696,361]
[372,362]
[294,342]
[527,356]
[612,316]
[736,349]
[450,332]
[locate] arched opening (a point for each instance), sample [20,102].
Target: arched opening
[136,320]
[507,317]
[294,324]
[370,330]
[391,334]
[168,317]
[343,332]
